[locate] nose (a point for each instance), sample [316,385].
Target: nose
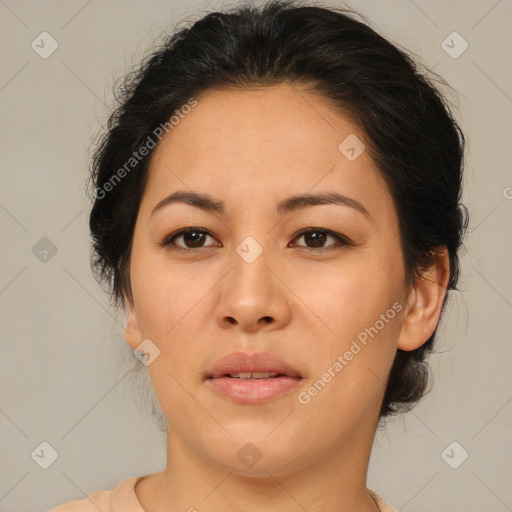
[253,295]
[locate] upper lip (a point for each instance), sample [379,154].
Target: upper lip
[238,362]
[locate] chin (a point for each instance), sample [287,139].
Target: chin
[255,455]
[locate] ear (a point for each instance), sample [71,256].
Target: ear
[132,333]
[425,303]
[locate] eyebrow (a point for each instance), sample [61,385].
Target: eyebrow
[290,204]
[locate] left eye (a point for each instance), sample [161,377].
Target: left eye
[318,236]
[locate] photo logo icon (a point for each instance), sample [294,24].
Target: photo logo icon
[249,454]
[146,352]
[44,250]
[249,250]
[454,45]
[44,45]
[454,455]
[44,455]
[351,147]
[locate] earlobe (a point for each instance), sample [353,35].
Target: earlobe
[132,330]
[425,304]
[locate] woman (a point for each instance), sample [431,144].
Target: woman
[277,209]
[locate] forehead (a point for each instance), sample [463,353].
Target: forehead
[254,146]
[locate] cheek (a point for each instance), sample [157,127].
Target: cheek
[362,311]
[166,297]
[350,372]
[155,308]
[349,300]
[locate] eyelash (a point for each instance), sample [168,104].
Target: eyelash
[342,241]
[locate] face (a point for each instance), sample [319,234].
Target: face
[327,301]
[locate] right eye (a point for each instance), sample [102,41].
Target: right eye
[193,238]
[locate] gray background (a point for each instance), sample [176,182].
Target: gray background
[64,368]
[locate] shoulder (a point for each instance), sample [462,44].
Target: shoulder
[97,500]
[114,500]
[383,506]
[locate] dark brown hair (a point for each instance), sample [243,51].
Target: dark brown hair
[412,135]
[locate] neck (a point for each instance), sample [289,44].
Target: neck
[193,482]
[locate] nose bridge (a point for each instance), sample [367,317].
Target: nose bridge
[251,261]
[251,295]
[254,247]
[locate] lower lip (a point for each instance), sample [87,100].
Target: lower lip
[253,391]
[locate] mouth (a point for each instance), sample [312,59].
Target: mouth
[249,388]
[252,378]
[254,375]
[258,365]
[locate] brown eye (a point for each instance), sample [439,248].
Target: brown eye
[315,238]
[193,238]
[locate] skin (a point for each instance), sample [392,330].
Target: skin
[252,149]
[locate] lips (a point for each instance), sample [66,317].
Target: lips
[260,365]
[252,379]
